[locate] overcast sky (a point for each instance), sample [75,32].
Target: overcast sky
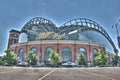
[15,13]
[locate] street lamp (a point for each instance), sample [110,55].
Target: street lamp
[118,37]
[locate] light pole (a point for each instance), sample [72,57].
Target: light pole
[118,37]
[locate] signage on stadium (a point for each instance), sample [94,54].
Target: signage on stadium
[50,35]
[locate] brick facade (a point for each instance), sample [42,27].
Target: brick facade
[57,46]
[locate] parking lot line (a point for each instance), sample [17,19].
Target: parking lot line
[100,75]
[46,75]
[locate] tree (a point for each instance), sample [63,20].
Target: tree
[54,59]
[81,59]
[115,60]
[10,58]
[101,58]
[31,59]
[1,60]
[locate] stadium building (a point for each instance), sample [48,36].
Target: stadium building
[78,35]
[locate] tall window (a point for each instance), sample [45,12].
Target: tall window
[66,54]
[95,53]
[34,50]
[83,50]
[21,54]
[47,53]
[14,41]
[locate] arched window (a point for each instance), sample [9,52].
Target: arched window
[47,53]
[83,50]
[21,54]
[34,50]
[95,53]
[23,38]
[66,54]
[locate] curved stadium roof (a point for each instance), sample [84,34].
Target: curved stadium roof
[77,29]
[39,24]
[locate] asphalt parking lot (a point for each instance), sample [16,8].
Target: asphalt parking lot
[29,73]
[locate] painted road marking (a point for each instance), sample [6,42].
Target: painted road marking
[46,75]
[100,75]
